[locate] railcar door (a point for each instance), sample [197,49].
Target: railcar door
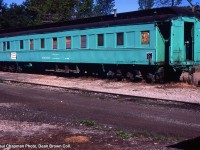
[189,40]
[197,42]
[164,28]
[177,42]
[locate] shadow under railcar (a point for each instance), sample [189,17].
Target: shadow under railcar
[191,144]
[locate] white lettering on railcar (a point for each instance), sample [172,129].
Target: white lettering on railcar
[55,54]
[56,58]
[13,55]
[46,58]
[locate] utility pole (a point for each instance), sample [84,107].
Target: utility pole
[172,3]
[193,6]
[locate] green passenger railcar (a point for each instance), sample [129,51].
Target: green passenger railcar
[146,41]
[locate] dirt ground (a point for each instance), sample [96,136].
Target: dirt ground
[173,91]
[24,135]
[21,127]
[24,125]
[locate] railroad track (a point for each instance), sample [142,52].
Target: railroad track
[119,97]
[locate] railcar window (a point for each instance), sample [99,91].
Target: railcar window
[4,46]
[42,43]
[55,45]
[100,40]
[83,41]
[31,44]
[120,38]
[68,42]
[145,37]
[21,44]
[8,45]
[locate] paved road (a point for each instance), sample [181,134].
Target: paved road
[178,120]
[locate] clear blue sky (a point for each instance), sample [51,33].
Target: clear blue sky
[121,5]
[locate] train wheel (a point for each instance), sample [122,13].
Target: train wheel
[130,76]
[18,69]
[110,74]
[160,75]
[5,68]
[150,78]
[119,75]
[138,76]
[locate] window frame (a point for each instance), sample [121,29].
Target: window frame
[68,42]
[31,44]
[42,43]
[4,46]
[83,41]
[120,39]
[8,45]
[100,40]
[145,38]
[55,43]
[21,44]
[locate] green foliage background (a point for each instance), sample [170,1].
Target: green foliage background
[35,12]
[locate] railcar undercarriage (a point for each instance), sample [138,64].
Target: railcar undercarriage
[135,73]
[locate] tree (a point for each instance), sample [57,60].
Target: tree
[168,2]
[35,12]
[84,8]
[50,10]
[3,8]
[145,4]
[43,11]
[15,17]
[104,7]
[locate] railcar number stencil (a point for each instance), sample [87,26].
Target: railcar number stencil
[13,55]
[149,56]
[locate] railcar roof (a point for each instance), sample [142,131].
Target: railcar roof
[134,17]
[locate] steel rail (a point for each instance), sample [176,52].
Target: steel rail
[120,97]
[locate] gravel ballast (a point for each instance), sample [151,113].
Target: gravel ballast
[174,91]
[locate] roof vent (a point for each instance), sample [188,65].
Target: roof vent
[115,12]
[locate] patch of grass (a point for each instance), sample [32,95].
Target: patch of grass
[156,137]
[124,134]
[144,134]
[89,123]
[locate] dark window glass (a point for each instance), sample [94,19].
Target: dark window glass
[21,44]
[145,37]
[55,43]
[68,42]
[42,43]
[4,46]
[31,44]
[83,41]
[120,38]
[100,39]
[8,45]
